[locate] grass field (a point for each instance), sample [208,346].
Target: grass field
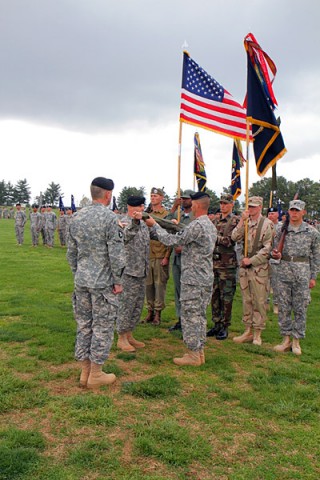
[247,413]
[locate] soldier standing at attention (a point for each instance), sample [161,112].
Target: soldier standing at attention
[62,228]
[254,270]
[224,269]
[20,221]
[136,246]
[158,275]
[297,274]
[96,257]
[50,227]
[43,213]
[35,224]
[186,217]
[198,240]
[273,215]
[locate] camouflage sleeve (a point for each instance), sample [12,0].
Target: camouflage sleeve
[185,236]
[72,254]
[237,233]
[115,249]
[315,255]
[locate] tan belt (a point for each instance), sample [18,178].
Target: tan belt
[288,258]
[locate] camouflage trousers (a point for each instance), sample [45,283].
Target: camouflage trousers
[156,284]
[176,275]
[49,234]
[95,312]
[294,297]
[43,236]
[254,284]
[62,238]
[131,303]
[224,287]
[194,302]
[19,234]
[35,236]
[274,282]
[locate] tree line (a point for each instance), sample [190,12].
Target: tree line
[21,193]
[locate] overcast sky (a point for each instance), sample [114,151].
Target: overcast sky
[92,88]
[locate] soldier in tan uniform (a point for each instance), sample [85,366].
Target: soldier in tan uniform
[254,269]
[158,275]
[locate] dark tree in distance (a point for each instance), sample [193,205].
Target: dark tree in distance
[22,192]
[127,192]
[52,194]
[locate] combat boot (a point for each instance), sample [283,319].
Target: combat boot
[202,357]
[176,326]
[223,333]
[285,346]
[215,329]
[275,309]
[85,372]
[98,378]
[296,349]
[123,343]
[246,337]
[135,343]
[149,317]
[190,358]
[157,318]
[257,340]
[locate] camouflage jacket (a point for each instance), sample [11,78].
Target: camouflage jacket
[35,220]
[136,246]
[302,242]
[20,218]
[95,247]
[198,240]
[51,220]
[224,255]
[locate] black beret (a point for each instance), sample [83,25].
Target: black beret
[272,210]
[35,205]
[198,195]
[105,183]
[135,201]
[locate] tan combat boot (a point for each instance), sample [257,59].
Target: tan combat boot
[85,372]
[275,309]
[98,378]
[124,344]
[190,358]
[285,346]
[257,340]
[246,337]
[296,349]
[135,343]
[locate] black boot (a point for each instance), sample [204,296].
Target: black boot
[149,317]
[176,326]
[215,329]
[222,334]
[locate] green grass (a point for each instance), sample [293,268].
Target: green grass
[247,413]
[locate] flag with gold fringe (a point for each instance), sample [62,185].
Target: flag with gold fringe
[237,162]
[199,170]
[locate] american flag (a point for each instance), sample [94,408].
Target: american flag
[205,103]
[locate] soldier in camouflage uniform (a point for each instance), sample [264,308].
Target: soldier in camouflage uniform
[137,245]
[35,225]
[43,213]
[50,226]
[62,228]
[224,269]
[96,257]
[198,240]
[20,221]
[254,270]
[186,217]
[297,274]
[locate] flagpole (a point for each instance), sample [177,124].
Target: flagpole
[179,167]
[246,226]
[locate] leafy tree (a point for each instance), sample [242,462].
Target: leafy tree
[85,201]
[22,192]
[127,192]
[9,194]
[3,190]
[52,194]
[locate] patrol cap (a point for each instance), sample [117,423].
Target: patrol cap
[226,198]
[297,204]
[102,182]
[272,210]
[198,195]
[135,201]
[255,201]
[157,191]
[187,194]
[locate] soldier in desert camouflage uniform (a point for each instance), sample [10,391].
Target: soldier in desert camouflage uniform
[20,221]
[224,269]
[35,225]
[297,274]
[96,257]
[137,245]
[254,270]
[198,240]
